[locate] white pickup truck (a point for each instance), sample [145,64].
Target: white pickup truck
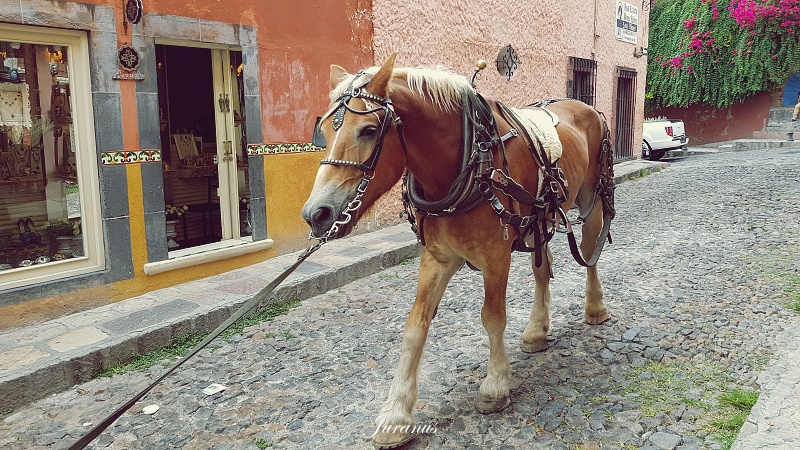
[661,135]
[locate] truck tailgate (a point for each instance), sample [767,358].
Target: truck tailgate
[677,128]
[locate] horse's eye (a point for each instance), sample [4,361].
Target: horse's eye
[368,131]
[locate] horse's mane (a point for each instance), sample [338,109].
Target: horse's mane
[441,85]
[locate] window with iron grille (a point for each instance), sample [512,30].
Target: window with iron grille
[626,114]
[584,75]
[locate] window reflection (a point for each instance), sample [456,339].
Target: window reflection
[40,210]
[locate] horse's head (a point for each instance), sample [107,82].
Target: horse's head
[356,132]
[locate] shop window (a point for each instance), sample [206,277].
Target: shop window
[49,226]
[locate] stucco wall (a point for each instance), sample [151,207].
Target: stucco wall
[544,34]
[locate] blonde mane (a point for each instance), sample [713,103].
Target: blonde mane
[442,86]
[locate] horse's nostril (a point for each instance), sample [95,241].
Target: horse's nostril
[322,215]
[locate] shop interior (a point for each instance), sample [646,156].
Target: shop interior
[40,209]
[191,158]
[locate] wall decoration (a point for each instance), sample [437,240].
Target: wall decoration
[271,149]
[130,157]
[507,62]
[15,108]
[128,58]
[133,11]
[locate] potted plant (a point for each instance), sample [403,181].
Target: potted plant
[173,214]
[63,231]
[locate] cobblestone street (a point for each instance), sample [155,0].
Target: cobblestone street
[696,280]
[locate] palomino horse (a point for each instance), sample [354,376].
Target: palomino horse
[469,177]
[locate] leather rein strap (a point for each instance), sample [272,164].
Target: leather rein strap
[241,312]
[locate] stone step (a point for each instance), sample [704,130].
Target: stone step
[741,145]
[781,134]
[779,119]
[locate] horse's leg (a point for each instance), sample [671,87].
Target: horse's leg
[494,391]
[595,311]
[394,424]
[534,338]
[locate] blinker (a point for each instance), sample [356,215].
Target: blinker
[318,139]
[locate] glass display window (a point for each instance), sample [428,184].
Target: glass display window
[49,206]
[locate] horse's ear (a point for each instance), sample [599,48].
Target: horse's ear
[379,85]
[338,73]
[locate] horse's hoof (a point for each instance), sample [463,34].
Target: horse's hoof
[596,319]
[538,345]
[391,440]
[488,405]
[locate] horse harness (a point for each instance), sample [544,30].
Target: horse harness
[478,174]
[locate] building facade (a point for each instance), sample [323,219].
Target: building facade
[146,143]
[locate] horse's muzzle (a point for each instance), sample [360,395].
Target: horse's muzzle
[319,217]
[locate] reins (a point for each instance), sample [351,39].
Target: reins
[263,294]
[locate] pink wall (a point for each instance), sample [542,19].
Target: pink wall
[705,124]
[544,34]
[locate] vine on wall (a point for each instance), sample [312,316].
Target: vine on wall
[701,51]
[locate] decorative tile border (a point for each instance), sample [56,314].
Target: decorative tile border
[271,149]
[130,157]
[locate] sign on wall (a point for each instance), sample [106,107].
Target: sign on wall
[627,22]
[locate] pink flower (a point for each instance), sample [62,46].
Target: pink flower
[774,56]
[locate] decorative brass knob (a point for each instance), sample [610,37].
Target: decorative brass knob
[480,64]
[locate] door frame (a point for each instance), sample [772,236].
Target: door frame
[225,131]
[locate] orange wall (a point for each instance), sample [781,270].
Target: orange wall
[297,42]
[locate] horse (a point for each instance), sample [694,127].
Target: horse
[468,174]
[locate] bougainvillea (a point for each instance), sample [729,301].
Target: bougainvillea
[702,51]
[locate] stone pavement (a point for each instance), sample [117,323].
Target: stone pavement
[39,360]
[313,380]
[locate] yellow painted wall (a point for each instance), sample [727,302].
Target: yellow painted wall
[288,179]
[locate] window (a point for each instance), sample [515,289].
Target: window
[584,74]
[626,113]
[49,204]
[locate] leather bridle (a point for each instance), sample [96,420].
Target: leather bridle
[342,104]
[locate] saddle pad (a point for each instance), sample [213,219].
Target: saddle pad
[541,123]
